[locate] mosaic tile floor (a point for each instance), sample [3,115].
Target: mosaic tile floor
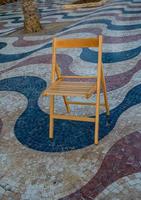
[71,167]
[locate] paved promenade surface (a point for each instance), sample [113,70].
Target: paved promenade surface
[71,167]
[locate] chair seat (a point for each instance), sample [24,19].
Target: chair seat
[71,88]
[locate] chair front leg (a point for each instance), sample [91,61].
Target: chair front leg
[97,106]
[51,126]
[97,118]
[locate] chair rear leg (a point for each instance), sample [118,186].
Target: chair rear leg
[105,94]
[51,125]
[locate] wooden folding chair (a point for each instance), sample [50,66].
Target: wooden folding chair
[64,86]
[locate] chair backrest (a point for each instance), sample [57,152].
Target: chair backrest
[76,43]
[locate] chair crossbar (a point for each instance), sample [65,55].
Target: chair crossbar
[74,118]
[78,77]
[84,103]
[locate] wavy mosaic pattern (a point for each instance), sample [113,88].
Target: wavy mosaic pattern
[31,129]
[129,162]
[120,24]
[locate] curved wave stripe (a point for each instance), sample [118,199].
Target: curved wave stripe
[119,17]
[3,14]
[21,42]
[63,59]
[132,1]
[12,57]
[107,39]
[2,45]
[2,24]
[13,19]
[87,55]
[112,26]
[119,80]
[125,152]
[67,15]
[31,128]
[122,10]
[7,31]
[113,82]
[62,14]
[109,57]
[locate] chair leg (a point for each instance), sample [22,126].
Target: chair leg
[66,104]
[51,126]
[97,113]
[105,93]
[97,105]
[96,130]
[97,120]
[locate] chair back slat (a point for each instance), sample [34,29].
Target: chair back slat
[76,43]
